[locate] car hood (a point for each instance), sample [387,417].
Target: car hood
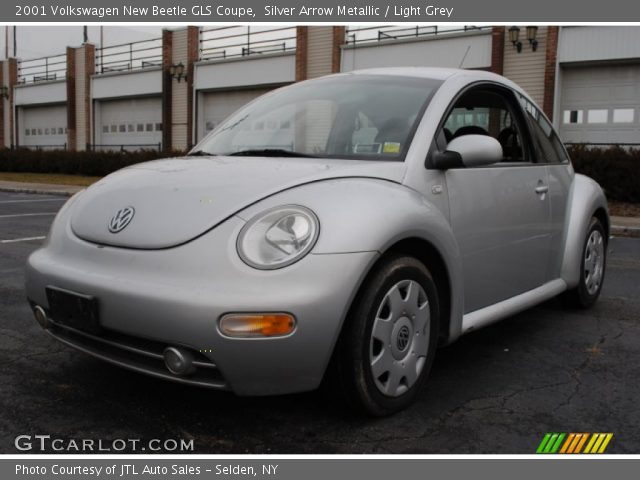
[176,200]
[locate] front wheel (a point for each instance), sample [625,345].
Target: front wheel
[592,267]
[390,339]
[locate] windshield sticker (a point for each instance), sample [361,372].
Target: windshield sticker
[391,147]
[367,148]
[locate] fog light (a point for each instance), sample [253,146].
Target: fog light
[248,325]
[41,316]
[178,361]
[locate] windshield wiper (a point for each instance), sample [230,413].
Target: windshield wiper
[200,153]
[270,152]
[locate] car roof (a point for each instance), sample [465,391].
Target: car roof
[436,73]
[439,73]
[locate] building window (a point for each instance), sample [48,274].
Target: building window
[105,129]
[113,128]
[27,131]
[158,127]
[623,115]
[130,127]
[597,116]
[140,127]
[46,131]
[60,131]
[122,128]
[33,131]
[572,116]
[149,127]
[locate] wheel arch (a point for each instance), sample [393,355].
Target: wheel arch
[586,200]
[602,215]
[429,256]
[449,298]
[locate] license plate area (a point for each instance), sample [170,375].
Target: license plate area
[73,309]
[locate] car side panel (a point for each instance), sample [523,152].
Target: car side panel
[585,197]
[502,227]
[560,180]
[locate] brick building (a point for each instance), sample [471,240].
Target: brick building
[170,91]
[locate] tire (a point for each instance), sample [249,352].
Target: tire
[398,302]
[592,267]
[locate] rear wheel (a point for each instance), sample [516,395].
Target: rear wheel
[389,342]
[592,268]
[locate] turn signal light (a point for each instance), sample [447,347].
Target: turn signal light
[249,325]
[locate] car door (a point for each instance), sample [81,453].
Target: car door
[499,213]
[549,150]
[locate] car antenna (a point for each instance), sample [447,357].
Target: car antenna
[464,56]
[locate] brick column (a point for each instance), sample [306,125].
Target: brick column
[497,49]
[167,46]
[2,108]
[550,70]
[185,46]
[302,35]
[318,51]
[8,79]
[193,55]
[87,99]
[71,99]
[338,41]
[81,65]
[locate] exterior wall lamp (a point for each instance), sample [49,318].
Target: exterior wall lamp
[177,71]
[4,92]
[514,34]
[532,33]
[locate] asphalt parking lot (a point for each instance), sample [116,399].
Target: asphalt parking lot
[550,369]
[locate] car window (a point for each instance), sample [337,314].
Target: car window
[360,117]
[363,139]
[549,148]
[486,111]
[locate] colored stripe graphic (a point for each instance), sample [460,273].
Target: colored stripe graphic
[581,442]
[551,443]
[573,443]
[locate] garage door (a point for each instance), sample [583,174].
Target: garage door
[600,104]
[133,123]
[217,106]
[43,127]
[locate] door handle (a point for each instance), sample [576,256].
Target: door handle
[540,189]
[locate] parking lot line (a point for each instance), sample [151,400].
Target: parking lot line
[25,239]
[28,215]
[31,201]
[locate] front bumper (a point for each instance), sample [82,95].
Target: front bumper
[150,299]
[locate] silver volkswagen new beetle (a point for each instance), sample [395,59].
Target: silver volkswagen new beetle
[343,226]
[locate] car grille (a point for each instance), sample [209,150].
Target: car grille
[138,354]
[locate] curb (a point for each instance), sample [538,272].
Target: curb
[62,193]
[618,230]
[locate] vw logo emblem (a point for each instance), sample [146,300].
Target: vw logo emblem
[403,338]
[121,219]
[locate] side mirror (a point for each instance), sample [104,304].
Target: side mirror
[469,151]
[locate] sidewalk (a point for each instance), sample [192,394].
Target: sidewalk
[622,226]
[625,226]
[42,188]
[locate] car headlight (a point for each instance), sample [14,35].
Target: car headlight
[278,237]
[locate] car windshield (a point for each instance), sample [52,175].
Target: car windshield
[364,117]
